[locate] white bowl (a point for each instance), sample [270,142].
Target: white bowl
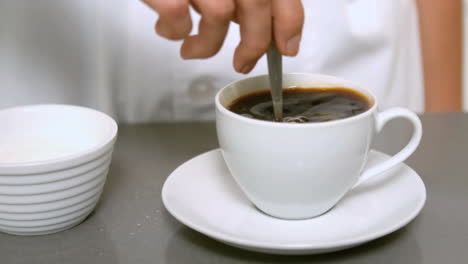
[50,214]
[51,187]
[50,206]
[53,176]
[44,138]
[33,231]
[54,161]
[47,222]
[50,197]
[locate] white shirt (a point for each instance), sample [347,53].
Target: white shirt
[108,57]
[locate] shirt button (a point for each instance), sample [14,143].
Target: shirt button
[202,90]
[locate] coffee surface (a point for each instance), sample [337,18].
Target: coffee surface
[303,105]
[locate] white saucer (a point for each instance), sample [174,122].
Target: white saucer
[202,195]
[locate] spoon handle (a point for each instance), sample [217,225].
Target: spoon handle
[275,72]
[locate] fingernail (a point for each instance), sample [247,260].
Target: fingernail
[186,55]
[188,49]
[292,46]
[162,30]
[247,68]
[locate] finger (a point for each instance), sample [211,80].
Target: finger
[254,17]
[174,18]
[288,20]
[212,29]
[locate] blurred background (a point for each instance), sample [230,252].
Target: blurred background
[105,55]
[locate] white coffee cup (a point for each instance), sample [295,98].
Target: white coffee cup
[297,171]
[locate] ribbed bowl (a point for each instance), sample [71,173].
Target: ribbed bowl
[53,166]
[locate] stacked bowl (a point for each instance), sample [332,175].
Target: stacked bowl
[54,161]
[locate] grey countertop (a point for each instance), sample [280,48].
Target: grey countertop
[130,224]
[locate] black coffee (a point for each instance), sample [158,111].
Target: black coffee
[303,105]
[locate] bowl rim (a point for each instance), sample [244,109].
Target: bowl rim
[67,160]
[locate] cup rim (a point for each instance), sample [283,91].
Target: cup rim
[109,138]
[354,86]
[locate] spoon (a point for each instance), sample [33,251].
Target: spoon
[275,72]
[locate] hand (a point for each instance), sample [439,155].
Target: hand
[441,33]
[255,18]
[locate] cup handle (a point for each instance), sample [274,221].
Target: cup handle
[381,120]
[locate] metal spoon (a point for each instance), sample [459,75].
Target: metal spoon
[275,72]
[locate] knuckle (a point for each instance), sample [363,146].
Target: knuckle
[290,23]
[172,8]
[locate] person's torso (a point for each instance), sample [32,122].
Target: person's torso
[109,58]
